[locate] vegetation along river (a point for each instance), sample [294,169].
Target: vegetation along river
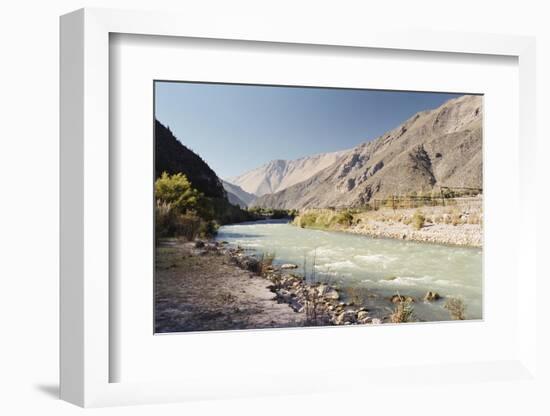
[382,266]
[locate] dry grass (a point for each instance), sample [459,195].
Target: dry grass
[266,262]
[315,308]
[456,308]
[403,312]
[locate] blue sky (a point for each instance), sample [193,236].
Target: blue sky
[236,128]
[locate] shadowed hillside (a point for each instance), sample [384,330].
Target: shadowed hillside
[172,157]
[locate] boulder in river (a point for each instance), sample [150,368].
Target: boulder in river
[432,296]
[287,266]
[399,298]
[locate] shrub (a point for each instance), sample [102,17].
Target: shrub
[260,265]
[177,190]
[208,228]
[344,218]
[403,312]
[456,307]
[169,222]
[165,220]
[188,225]
[418,220]
[315,313]
[308,219]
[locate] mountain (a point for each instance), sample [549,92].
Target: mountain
[172,156]
[238,196]
[440,147]
[280,174]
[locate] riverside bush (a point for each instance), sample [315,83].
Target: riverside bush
[456,308]
[418,220]
[324,219]
[183,211]
[402,313]
[308,219]
[177,191]
[344,218]
[169,222]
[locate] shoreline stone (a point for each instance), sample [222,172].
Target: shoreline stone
[320,300]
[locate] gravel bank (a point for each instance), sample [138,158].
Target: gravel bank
[462,234]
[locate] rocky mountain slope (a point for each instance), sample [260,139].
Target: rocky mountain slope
[238,196]
[440,147]
[281,174]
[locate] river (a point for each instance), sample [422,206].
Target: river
[382,266]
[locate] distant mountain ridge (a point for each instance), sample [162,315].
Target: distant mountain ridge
[238,196]
[439,147]
[279,174]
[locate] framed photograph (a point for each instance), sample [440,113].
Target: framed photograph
[237,208]
[300,221]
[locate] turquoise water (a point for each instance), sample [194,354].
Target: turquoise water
[384,266]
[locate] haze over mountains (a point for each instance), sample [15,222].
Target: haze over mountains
[440,147]
[238,196]
[281,174]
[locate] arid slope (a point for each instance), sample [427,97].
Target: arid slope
[440,147]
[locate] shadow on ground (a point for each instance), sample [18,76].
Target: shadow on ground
[51,390]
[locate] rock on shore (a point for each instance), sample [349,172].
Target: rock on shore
[320,302]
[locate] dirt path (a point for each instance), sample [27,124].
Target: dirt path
[200,290]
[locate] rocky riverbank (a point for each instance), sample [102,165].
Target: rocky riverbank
[211,286]
[321,303]
[203,286]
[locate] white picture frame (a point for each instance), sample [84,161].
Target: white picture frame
[85,213]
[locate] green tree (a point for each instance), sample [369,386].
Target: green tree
[177,191]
